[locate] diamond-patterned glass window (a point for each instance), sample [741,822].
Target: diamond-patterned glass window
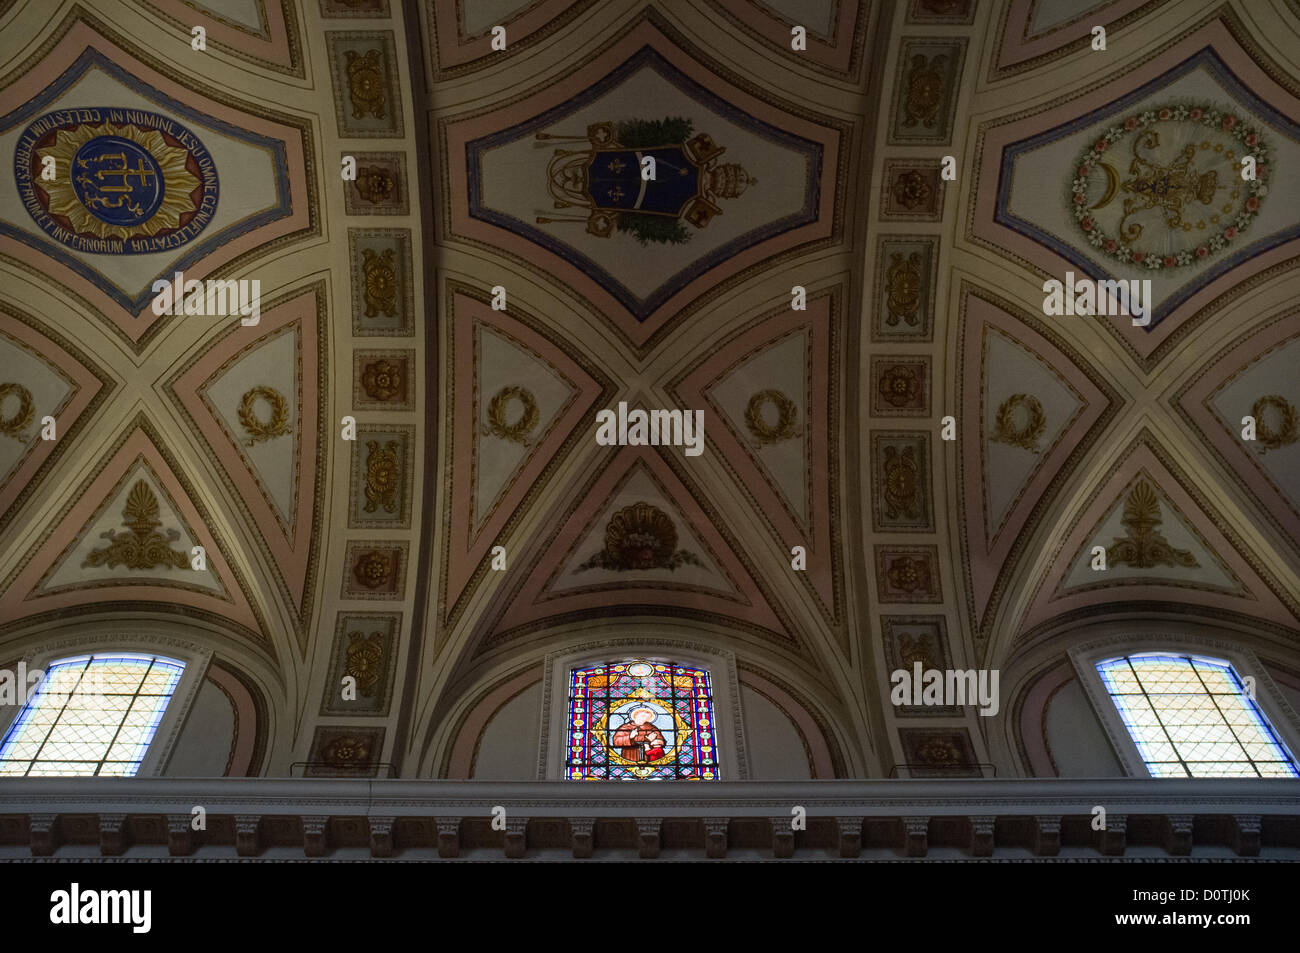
[91,715]
[1192,717]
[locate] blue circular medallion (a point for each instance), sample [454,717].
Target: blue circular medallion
[117,181]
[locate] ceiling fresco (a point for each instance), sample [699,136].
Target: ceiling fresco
[89,88]
[392,469]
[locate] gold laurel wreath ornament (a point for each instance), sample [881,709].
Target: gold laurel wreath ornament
[1270,439]
[274,426]
[518,431]
[1026,437]
[15,424]
[786,415]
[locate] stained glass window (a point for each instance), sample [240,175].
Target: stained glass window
[1191,717]
[91,715]
[641,720]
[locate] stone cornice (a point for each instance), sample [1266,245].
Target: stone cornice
[1011,819]
[875,798]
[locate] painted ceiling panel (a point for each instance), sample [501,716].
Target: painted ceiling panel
[394,472]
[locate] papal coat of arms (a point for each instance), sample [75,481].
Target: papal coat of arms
[609,180]
[115,181]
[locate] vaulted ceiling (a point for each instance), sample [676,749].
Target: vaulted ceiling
[464,302]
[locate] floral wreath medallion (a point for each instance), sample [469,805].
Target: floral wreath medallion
[275,425]
[1184,199]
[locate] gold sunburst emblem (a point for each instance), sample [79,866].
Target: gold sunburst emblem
[178,181]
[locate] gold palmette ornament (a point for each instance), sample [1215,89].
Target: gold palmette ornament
[903,288]
[924,90]
[178,182]
[143,547]
[639,537]
[1144,546]
[916,650]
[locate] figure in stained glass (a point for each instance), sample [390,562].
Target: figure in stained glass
[639,740]
[639,719]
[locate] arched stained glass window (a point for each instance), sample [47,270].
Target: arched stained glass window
[91,715]
[641,720]
[1191,717]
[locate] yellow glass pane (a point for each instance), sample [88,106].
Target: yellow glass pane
[1216,680]
[62,680]
[1121,681]
[157,682]
[51,769]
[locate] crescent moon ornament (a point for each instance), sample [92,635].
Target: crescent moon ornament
[1112,185]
